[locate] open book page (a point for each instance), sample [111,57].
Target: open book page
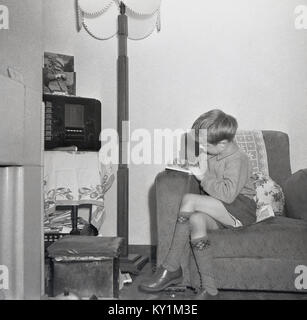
[180,165]
[178,168]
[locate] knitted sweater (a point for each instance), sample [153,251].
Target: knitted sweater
[228,175]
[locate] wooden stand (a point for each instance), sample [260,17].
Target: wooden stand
[74,221]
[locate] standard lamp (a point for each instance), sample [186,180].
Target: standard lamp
[128,19]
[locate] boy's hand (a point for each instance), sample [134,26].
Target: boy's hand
[199,171]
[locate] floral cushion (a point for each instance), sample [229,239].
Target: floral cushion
[268,193]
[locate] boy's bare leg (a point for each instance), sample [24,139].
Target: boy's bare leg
[195,224]
[200,223]
[207,211]
[206,204]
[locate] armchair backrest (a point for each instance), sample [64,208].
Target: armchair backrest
[277,148]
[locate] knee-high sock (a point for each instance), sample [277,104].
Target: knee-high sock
[180,238]
[203,255]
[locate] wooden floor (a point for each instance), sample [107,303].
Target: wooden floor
[131,292]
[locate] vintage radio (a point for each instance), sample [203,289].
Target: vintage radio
[72,121]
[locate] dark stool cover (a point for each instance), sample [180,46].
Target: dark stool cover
[85,246]
[85,265]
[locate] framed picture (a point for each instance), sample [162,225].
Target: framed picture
[58,74]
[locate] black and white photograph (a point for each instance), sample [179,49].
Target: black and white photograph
[153,153]
[58,74]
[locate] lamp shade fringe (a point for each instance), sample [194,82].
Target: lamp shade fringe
[94,7]
[99,18]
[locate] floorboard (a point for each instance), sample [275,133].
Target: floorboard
[131,292]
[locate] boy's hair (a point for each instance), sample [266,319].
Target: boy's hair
[219,125]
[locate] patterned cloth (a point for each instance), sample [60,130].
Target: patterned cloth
[268,192]
[75,178]
[252,143]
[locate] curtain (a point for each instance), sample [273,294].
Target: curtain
[11,231]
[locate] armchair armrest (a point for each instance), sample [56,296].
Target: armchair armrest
[170,188]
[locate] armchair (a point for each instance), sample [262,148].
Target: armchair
[262,256]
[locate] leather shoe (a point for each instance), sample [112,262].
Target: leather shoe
[161,279]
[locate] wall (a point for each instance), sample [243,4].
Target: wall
[21,49]
[244,57]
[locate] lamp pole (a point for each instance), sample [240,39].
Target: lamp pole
[122,116]
[128,262]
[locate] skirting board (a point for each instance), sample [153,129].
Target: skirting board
[144,250]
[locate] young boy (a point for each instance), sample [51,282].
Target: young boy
[225,177]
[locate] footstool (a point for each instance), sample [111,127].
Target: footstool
[85,265]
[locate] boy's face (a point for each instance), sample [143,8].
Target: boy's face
[213,149]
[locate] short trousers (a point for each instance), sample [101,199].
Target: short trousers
[242,210]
